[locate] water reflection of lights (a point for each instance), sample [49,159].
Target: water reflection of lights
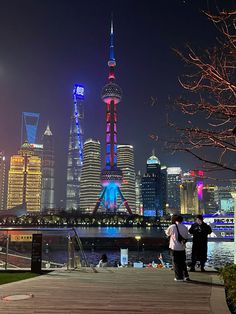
[111,231]
[219,253]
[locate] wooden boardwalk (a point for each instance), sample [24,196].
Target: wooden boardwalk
[116,290]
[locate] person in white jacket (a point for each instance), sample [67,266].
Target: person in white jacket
[177,247]
[103,261]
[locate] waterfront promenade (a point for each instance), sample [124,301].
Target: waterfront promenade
[116,290]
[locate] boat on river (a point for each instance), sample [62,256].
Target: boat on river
[222,226]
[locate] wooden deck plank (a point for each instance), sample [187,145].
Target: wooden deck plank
[114,290]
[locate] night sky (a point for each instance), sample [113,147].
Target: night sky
[48,45]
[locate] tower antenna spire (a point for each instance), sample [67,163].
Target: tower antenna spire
[111,61]
[111,22]
[112,52]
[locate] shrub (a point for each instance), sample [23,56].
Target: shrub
[228,273]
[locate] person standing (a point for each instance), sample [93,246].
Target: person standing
[177,247]
[200,231]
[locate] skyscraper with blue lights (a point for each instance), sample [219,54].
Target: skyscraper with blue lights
[29,126]
[75,151]
[111,175]
[154,191]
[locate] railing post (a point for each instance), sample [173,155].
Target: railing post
[68,252]
[70,261]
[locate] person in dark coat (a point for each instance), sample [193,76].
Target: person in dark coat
[200,231]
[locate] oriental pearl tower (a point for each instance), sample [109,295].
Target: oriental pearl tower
[111,198]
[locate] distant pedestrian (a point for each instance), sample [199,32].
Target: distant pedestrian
[178,234]
[103,261]
[200,231]
[117,264]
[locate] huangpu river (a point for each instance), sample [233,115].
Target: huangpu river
[220,253]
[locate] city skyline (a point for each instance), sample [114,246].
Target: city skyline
[48,47]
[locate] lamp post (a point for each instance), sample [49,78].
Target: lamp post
[234,197]
[138,238]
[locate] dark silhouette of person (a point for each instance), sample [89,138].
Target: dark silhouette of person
[200,231]
[117,264]
[103,261]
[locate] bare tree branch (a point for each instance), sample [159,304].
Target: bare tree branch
[211,103]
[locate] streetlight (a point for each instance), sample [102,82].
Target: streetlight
[138,238]
[234,197]
[143,247]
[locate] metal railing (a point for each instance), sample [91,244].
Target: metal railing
[61,247]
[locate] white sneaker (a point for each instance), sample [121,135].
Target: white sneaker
[178,279]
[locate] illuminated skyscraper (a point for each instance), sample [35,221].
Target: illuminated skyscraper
[75,152]
[29,126]
[48,179]
[174,175]
[111,175]
[209,203]
[138,193]
[24,180]
[125,162]
[224,199]
[90,183]
[191,193]
[154,188]
[163,189]
[2,181]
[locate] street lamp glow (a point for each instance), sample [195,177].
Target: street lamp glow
[138,238]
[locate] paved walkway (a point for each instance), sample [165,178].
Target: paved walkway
[115,290]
